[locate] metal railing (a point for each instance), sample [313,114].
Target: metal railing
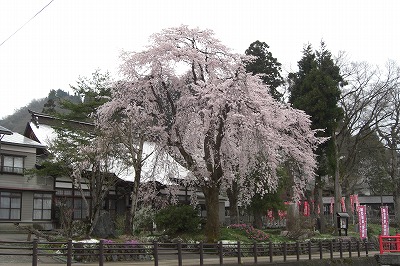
[199,253]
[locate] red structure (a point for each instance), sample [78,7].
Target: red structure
[389,243]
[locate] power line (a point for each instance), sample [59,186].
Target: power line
[26,22]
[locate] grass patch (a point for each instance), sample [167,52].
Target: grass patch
[275,235]
[234,234]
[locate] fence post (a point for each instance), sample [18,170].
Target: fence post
[397,241]
[155,253]
[201,253]
[69,252]
[239,253]
[270,251]
[221,255]
[350,249]
[331,249]
[320,250]
[366,248]
[101,252]
[358,248]
[255,251]
[284,251]
[309,250]
[34,252]
[381,244]
[179,253]
[341,248]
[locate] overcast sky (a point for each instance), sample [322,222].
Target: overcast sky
[72,38]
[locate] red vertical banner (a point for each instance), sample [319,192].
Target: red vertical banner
[342,203]
[362,221]
[385,220]
[306,210]
[331,206]
[352,203]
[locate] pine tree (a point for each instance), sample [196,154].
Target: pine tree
[78,146]
[315,89]
[266,65]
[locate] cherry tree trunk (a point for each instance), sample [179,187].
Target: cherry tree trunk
[257,219]
[233,203]
[134,197]
[212,207]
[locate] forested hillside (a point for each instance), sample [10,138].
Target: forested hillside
[17,121]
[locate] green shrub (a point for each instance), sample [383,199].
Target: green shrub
[177,219]
[143,220]
[79,229]
[120,224]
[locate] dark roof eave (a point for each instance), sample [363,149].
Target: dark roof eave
[59,119]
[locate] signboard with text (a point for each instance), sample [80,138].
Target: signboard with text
[385,220]
[362,221]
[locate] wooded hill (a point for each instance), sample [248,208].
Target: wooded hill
[16,122]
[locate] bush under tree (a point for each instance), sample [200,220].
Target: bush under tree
[177,219]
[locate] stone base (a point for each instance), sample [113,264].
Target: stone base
[389,259]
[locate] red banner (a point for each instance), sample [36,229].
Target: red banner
[352,203]
[343,204]
[331,206]
[385,220]
[306,210]
[362,221]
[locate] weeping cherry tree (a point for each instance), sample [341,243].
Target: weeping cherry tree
[197,102]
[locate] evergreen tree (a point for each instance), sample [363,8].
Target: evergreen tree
[89,95]
[266,65]
[315,89]
[79,146]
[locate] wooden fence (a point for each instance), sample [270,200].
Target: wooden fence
[221,253]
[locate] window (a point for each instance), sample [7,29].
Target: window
[80,210]
[63,192]
[12,164]
[74,201]
[42,206]
[10,205]
[110,205]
